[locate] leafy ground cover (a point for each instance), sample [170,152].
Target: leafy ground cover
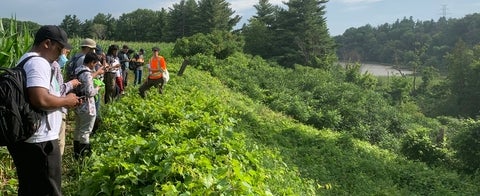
[202,138]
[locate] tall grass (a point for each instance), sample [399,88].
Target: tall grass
[13,43]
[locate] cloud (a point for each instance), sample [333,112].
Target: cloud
[352,2]
[242,5]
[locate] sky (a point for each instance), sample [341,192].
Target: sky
[340,14]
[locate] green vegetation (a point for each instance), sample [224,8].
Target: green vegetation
[405,41]
[261,123]
[15,40]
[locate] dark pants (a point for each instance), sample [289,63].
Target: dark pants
[39,167]
[138,76]
[149,83]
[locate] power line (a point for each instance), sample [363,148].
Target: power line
[444,11]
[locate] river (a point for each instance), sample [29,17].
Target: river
[380,70]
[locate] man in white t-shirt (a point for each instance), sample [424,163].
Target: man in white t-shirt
[37,160]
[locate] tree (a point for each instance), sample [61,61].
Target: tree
[87,29]
[220,44]
[266,12]
[141,25]
[216,15]
[417,61]
[303,35]
[259,33]
[461,84]
[104,26]
[182,20]
[72,25]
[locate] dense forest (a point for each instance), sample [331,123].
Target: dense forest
[406,42]
[443,55]
[267,110]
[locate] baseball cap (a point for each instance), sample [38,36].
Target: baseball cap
[88,43]
[155,49]
[53,32]
[98,50]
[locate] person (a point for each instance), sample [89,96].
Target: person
[87,45]
[157,68]
[37,160]
[64,89]
[98,82]
[124,58]
[86,112]
[112,78]
[138,60]
[62,60]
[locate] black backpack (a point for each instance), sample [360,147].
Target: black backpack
[18,119]
[77,90]
[70,68]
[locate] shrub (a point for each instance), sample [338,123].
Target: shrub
[220,44]
[418,145]
[467,146]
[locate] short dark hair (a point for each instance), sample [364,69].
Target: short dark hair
[90,57]
[111,48]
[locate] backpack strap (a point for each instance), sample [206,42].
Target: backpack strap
[22,63]
[81,72]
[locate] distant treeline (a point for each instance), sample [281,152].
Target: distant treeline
[407,42]
[293,34]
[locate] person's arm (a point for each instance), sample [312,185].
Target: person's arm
[90,89]
[68,86]
[163,64]
[42,99]
[99,71]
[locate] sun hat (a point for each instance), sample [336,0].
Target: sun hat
[88,43]
[54,33]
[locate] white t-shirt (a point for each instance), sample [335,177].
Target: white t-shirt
[39,73]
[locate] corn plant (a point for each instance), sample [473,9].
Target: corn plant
[13,43]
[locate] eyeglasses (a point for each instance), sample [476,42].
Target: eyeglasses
[58,46]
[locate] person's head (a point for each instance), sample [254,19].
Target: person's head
[90,60]
[65,51]
[112,50]
[141,51]
[155,50]
[49,42]
[100,53]
[88,45]
[125,48]
[98,50]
